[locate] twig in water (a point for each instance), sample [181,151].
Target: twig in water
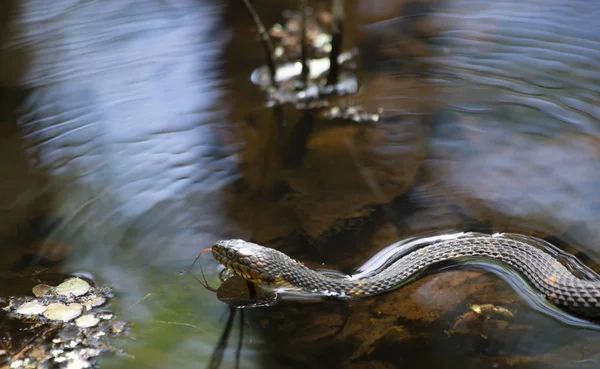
[140,300]
[179,323]
[265,40]
[29,342]
[268,48]
[336,42]
[303,47]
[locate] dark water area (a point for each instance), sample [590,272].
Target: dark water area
[132,137]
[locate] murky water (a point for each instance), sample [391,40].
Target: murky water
[153,143]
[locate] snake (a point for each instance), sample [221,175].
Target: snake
[268,267]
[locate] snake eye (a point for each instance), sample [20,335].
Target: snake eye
[230,254]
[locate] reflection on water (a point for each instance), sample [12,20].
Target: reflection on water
[134,111]
[121,115]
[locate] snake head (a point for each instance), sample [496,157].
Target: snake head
[246,259]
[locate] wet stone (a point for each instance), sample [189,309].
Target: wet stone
[63,312]
[73,286]
[31,308]
[86,321]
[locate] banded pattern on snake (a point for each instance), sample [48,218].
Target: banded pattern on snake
[269,267]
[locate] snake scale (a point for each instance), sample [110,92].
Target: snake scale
[269,267]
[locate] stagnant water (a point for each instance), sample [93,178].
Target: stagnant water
[153,195]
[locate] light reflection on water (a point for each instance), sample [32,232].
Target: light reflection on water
[486,156]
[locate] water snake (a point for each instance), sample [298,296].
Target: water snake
[269,267]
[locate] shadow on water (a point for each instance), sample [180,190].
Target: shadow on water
[142,136]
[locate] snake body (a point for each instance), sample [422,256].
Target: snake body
[269,267]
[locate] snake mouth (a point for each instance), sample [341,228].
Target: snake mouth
[221,254]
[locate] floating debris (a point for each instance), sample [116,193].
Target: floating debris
[73,286]
[93,302]
[490,311]
[287,36]
[42,290]
[58,339]
[312,91]
[106,316]
[63,312]
[353,113]
[479,315]
[290,71]
[31,308]
[86,321]
[118,327]
[78,363]
[292,85]
[316,92]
